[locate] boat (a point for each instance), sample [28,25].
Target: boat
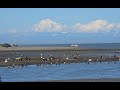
[74,45]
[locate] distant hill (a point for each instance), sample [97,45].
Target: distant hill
[5,45]
[8,45]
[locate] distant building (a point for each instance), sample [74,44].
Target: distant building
[74,45]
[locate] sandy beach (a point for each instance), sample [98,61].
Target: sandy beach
[38,48]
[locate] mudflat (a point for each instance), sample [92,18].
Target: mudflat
[60,55]
[37,48]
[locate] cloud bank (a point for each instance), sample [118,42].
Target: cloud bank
[94,26]
[100,25]
[47,25]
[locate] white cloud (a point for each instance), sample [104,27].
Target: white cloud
[47,25]
[110,26]
[100,25]
[96,26]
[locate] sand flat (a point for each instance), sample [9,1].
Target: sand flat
[37,48]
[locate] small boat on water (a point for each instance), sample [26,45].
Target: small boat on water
[74,45]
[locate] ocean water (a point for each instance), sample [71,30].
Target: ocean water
[61,72]
[64,71]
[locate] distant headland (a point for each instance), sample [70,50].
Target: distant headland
[8,45]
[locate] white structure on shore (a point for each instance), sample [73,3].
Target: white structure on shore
[74,45]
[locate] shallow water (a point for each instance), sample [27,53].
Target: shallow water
[61,72]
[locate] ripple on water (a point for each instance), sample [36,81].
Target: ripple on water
[59,72]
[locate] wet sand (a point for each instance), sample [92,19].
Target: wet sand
[36,48]
[34,54]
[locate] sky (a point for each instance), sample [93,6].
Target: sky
[59,25]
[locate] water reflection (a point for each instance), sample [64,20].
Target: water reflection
[60,72]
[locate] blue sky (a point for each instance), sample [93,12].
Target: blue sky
[59,25]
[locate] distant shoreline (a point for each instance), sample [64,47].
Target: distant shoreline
[85,80]
[38,48]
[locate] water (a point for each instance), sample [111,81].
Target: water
[61,72]
[93,45]
[64,71]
